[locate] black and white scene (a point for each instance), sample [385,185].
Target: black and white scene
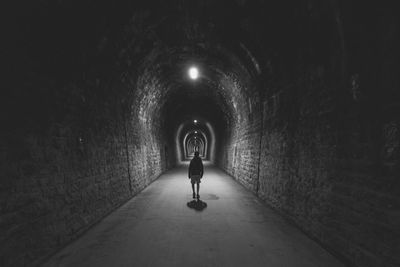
[200,133]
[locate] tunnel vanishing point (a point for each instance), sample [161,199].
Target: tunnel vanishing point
[298,101]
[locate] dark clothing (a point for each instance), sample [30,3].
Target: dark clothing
[196,167]
[195,179]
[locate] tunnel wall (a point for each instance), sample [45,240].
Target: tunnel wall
[240,156]
[324,170]
[317,148]
[78,140]
[69,157]
[240,149]
[328,176]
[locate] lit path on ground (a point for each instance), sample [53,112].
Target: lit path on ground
[157,228]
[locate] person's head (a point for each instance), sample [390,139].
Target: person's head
[196,154]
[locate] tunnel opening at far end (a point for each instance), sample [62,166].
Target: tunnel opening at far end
[192,137]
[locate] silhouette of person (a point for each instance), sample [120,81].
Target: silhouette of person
[196,172]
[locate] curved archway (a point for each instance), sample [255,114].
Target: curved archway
[186,132]
[196,141]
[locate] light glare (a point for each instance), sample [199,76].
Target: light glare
[193,73]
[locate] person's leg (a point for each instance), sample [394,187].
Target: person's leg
[193,190]
[198,188]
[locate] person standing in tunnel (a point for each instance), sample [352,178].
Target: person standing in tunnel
[196,172]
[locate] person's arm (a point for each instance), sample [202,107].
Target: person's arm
[202,168]
[190,169]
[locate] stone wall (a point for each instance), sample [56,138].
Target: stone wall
[67,160]
[329,158]
[241,155]
[323,169]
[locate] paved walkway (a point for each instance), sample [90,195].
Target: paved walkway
[158,228]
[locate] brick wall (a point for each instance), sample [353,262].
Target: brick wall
[329,158]
[241,155]
[65,170]
[322,166]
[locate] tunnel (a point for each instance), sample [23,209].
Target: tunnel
[293,104]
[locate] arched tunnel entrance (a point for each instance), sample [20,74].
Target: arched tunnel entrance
[196,114]
[296,101]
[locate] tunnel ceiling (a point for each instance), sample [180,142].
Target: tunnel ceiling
[148,45]
[215,95]
[187,107]
[135,55]
[92,36]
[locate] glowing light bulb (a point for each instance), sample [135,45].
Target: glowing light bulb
[193,73]
[195,121]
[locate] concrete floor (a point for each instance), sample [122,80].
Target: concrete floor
[158,228]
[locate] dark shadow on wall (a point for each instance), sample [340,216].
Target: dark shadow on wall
[198,205]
